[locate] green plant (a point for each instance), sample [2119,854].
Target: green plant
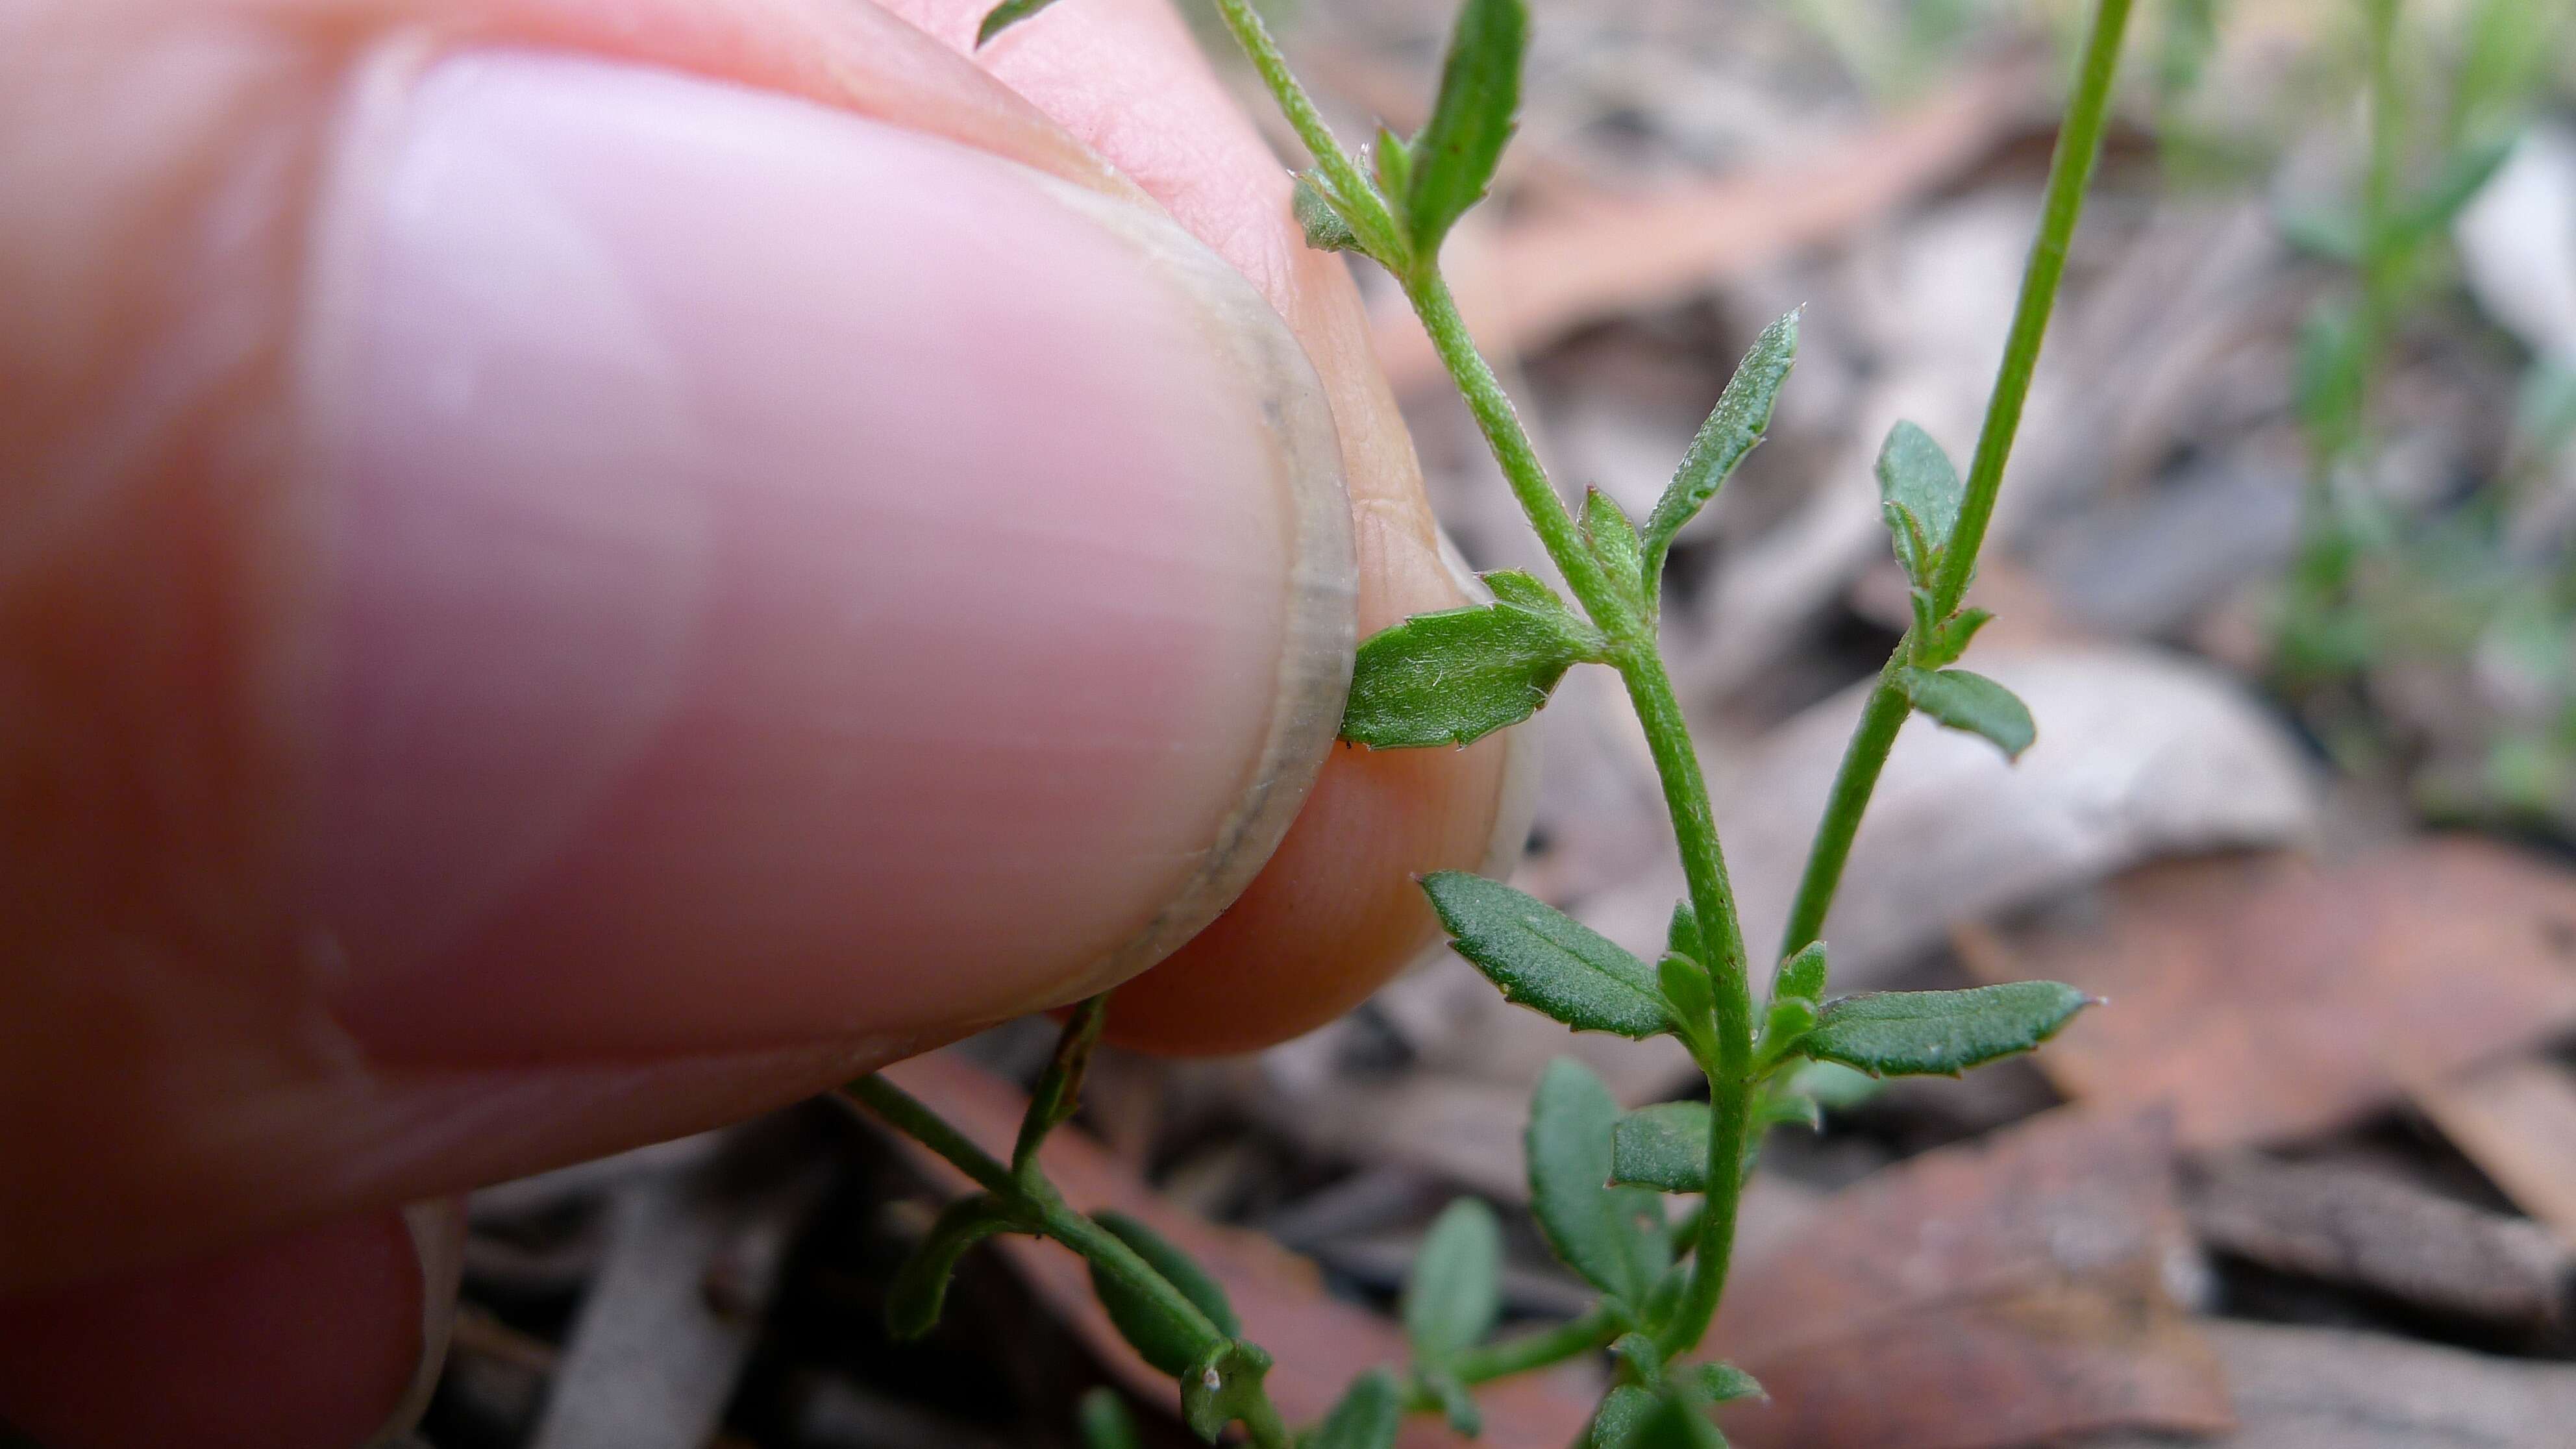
[1598,1176]
[2374,587]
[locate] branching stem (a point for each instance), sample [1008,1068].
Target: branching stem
[2070,173]
[1570,1339]
[1253,36]
[1040,1202]
[2070,170]
[1615,610]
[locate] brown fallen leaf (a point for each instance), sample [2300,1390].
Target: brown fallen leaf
[1996,1293]
[2268,997]
[2313,1388]
[2517,1121]
[1321,1343]
[2374,1229]
[1542,276]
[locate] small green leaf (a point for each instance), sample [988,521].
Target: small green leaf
[1787,1107]
[2331,233]
[2432,210]
[1005,15]
[1720,1383]
[1454,677]
[1976,704]
[1456,1291]
[1457,1405]
[1612,1236]
[1664,1147]
[1941,1033]
[1371,1411]
[1454,155]
[1158,1336]
[1544,959]
[1682,937]
[1790,1018]
[1921,493]
[1222,1387]
[1643,1357]
[1392,159]
[1803,975]
[2328,376]
[1665,1421]
[1059,1090]
[1624,1411]
[1666,1295]
[1690,998]
[920,1287]
[1614,545]
[1517,586]
[1834,1086]
[1104,1422]
[1944,643]
[1325,227]
[1734,426]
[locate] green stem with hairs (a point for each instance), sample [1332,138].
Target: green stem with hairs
[1252,34]
[1619,614]
[2070,170]
[1570,1339]
[1039,1200]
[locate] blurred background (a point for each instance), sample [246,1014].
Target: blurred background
[2286,570]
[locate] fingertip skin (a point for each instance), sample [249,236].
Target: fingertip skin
[302,1341]
[1336,913]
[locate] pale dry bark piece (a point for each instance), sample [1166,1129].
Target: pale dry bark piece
[692,1260]
[2517,1121]
[2313,1388]
[2369,1229]
[2141,753]
[2515,239]
[1993,1294]
[1320,1342]
[2267,997]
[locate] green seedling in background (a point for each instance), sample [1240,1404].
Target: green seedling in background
[2371,587]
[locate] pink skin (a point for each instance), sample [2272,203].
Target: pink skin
[299,1341]
[874,527]
[880,537]
[550,600]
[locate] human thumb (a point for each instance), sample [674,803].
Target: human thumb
[547,602]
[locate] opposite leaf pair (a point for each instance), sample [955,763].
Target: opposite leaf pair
[1544,959]
[1920,494]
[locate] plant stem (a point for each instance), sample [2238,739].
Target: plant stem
[2382,260]
[2070,170]
[1614,611]
[1059,1091]
[1650,692]
[1105,1250]
[1567,1340]
[1880,719]
[1253,36]
[1038,1197]
[1729,1118]
[904,1112]
[1495,416]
